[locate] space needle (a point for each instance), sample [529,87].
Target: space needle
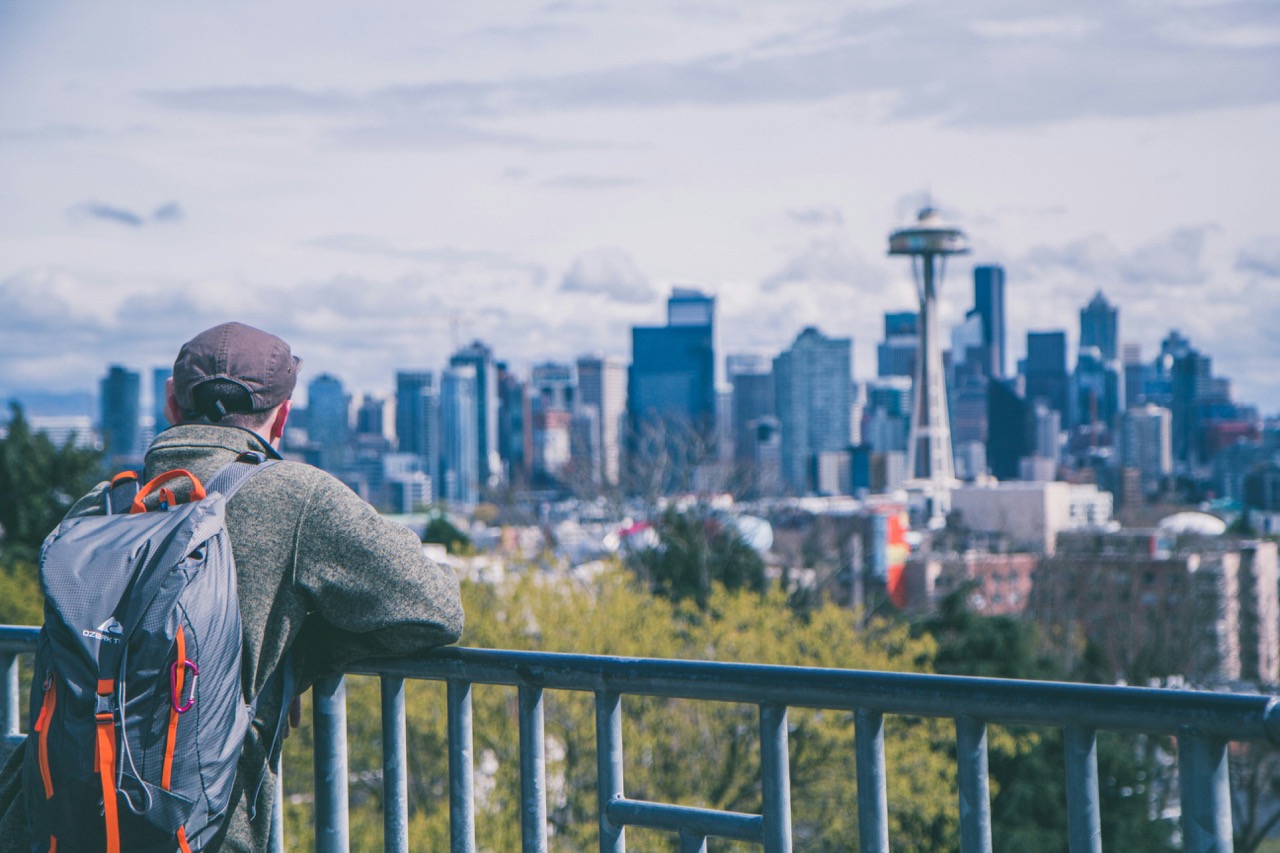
[930,465]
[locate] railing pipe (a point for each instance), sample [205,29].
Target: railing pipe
[1205,794]
[775,773]
[395,770]
[275,844]
[462,816]
[975,794]
[329,715]
[873,801]
[1084,818]
[533,772]
[609,782]
[1231,716]
[721,824]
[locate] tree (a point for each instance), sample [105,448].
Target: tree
[38,483]
[697,548]
[695,753]
[441,531]
[1028,810]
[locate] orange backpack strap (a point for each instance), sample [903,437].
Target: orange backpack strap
[197,488]
[105,756]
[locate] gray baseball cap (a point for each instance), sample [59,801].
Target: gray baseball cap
[255,360]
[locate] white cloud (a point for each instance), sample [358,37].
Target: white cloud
[1260,255]
[1061,27]
[610,272]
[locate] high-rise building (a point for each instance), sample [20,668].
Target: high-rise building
[416,415]
[369,417]
[1008,430]
[1100,327]
[159,382]
[602,385]
[480,357]
[515,423]
[671,385]
[459,436]
[813,384]
[988,303]
[121,391]
[1146,444]
[1046,368]
[328,420]
[751,377]
[896,354]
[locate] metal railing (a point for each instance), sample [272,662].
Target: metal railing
[1203,724]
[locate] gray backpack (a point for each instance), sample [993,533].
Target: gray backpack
[137,709]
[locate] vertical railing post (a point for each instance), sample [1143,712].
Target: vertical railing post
[10,703]
[1084,820]
[775,773]
[609,783]
[691,842]
[275,844]
[329,713]
[873,801]
[533,770]
[1206,794]
[462,812]
[975,793]
[395,771]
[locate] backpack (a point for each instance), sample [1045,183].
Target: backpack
[137,709]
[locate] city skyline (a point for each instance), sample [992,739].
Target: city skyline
[380,188]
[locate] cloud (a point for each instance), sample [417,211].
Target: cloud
[589,182]
[930,61]
[1260,255]
[610,272]
[445,256]
[1171,259]
[826,261]
[168,212]
[818,216]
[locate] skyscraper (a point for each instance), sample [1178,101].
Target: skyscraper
[896,354]
[1146,443]
[120,400]
[813,383]
[480,357]
[1046,368]
[671,385]
[515,421]
[1099,327]
[159,381]
[602,384]
[415,413]
[751,377]
[459,436]
[328,420]
[988,303]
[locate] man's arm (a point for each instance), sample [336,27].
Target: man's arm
[369,587]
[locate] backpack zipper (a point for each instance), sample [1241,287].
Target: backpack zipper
[42,726]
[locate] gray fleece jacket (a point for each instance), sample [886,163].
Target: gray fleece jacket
[320,573]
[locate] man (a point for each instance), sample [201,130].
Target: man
[320,573]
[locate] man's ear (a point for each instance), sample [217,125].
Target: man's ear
[276,431]
[171,411]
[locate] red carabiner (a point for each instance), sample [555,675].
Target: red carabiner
[174,698]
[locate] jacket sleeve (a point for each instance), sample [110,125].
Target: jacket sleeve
[368,586]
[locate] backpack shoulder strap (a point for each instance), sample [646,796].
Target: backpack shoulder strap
[120,492]
[234,474]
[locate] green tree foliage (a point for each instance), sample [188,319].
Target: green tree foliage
[695,753]
[441,531]
[38,483]
[697,549]
[1029,806]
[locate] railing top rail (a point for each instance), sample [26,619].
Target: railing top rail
[1230,716]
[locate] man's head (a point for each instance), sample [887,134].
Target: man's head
[236,375]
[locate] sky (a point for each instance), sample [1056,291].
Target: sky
[381,182]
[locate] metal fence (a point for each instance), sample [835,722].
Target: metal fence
[1203,724]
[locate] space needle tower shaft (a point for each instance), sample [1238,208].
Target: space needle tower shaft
[930,464]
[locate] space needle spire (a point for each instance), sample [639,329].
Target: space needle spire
[930,465]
